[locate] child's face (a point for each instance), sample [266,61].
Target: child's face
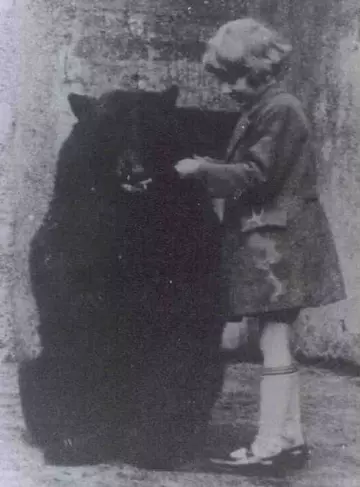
[237,85]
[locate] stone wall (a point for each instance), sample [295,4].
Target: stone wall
[8,63]
[88,47]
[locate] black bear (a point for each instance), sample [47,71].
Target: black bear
[125,273]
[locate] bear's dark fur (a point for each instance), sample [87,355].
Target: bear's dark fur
[127,285]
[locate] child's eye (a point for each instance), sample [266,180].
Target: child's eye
[220,74]
[232,75]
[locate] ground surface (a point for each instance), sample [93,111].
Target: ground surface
[331,417]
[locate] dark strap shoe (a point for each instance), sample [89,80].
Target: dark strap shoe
[250,464]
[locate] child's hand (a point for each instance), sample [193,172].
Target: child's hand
[188,167]
[203,158]
[234,335]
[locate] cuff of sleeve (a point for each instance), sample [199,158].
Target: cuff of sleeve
[218,179]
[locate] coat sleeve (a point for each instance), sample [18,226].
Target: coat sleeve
[280,132]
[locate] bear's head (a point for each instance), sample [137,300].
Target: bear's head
[131,135]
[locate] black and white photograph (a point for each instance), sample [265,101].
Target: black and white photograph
[179,243]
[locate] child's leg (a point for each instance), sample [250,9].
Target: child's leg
[275,343]
[275,388]
[293,431]
[279,418]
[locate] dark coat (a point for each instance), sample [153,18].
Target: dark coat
[278,251]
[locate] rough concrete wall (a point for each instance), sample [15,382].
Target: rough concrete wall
[89,48]
[37,26]
[7,103]
[325,75]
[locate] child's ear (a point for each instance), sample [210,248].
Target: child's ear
[82,106]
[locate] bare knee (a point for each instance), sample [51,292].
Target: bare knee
[275,344]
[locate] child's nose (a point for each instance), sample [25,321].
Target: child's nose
[226,88]
[241,84]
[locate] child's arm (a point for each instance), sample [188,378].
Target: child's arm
[281,133]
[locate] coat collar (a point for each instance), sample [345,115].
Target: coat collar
[249,114]
[268,94]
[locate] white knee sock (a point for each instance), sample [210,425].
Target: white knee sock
[276,387]
[279,418]
[293,432]
[275,395]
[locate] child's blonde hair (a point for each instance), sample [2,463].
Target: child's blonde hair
[247,43]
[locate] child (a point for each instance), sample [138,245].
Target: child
[278,255]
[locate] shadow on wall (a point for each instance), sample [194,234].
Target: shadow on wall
[127,285]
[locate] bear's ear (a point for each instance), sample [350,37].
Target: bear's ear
[171,95]
[82,106]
